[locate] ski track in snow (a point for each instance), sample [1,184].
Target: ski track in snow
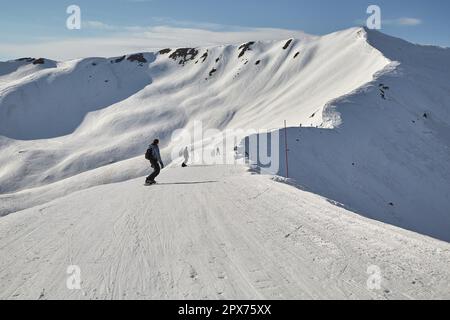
[214,232]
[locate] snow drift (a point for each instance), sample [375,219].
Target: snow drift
[376,108]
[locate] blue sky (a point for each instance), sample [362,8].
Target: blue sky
[24,23]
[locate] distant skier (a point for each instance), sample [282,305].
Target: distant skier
[186,157]
[218,151]
[154,156]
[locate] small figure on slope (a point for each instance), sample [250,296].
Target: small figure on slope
[153,155]
[186,157]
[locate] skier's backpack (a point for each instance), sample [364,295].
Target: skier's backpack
[149,154]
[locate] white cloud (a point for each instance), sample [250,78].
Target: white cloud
[403,22]
[97,25]
[117,41]
[399,22]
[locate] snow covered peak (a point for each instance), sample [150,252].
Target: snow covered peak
[397,49]
[104,110]
[90,120]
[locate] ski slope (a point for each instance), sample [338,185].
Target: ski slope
[369,152]
[214,232]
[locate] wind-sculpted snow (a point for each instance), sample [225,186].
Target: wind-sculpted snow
[374,137]
[91,113]
[384,150]
[368,131]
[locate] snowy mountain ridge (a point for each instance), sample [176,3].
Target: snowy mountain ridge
[68,126]
[388,158]
[368,190]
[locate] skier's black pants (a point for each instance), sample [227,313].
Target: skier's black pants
[156,171]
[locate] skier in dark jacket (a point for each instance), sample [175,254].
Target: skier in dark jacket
[154,156]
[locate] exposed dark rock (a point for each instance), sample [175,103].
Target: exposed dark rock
[287,44]
[217,60]
[94,64]
[165,51]
[39,61]
[425,115]
[184,54]
[257,62]
[214,70]
[383,89]
[120,59]
[296,55]
[139,57]
[204,56]
[245,47]
[25,59]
